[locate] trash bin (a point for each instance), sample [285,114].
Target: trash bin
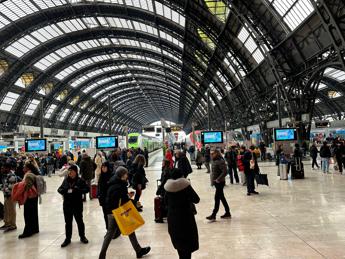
[283,168]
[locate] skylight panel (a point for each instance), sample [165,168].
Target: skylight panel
[322,86]
[9,101]
[63,115]
[90,22]
[293,12]
[47,33]
[170,14]
[75,117]
[335,74]
[258,56]
[17,9]
[22,46]
[32,107]
[83,119]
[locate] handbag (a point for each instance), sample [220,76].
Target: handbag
[261,179]
[127,218]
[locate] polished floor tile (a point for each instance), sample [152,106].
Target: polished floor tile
[289,219]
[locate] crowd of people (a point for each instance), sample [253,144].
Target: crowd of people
[113,174]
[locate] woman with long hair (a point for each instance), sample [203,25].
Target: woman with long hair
[31,204]
[139,180]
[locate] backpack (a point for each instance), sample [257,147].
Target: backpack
[41,185]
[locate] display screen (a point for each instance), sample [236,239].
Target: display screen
[212,137]
[57,146]
[106,142]
[35,145]
[285,134]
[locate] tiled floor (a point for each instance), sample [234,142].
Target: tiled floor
[289,219]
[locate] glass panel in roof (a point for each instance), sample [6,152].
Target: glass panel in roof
[333,94]
[32,107]
[248,41]
[293,12]
[9,101]
[335,74]
[63,115]
[322,86]
[170,14]
[75,117]
[207,40]
[218,8]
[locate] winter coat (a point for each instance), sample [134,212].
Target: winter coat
[74,200]
[246,162]
[207,155]
[182,227]
[117,190]
[240,164]
[184,165]
[102,189]
[87,169]
[313,151]
[169,156]
[165,176]
[139,176]
[7,183]
[231,157]
[218,170]
[199,158]
[325,152]
[98,162]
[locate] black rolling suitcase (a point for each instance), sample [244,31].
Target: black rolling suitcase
[297,169]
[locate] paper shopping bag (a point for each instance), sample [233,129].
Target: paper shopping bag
[128,218]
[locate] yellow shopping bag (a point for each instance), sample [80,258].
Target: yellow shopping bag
[128,218]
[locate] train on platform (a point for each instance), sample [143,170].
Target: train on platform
[137,140]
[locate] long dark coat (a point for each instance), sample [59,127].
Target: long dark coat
[182,227]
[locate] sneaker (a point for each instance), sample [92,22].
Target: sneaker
[143,251]
[84,240]
[10,229]
[248,193]
[227,215]
[159,220]
[66,243]
[211,218]
[4,227]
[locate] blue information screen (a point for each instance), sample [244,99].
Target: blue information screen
[36,145]
[285,134]
[106,142]
[213,137]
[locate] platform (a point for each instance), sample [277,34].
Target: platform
[289,219]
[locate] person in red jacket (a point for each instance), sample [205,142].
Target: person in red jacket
[240,165]
[169,156]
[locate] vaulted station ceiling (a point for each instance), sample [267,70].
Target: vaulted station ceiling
[156,59]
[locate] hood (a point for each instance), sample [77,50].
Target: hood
[114,180]
[176,185]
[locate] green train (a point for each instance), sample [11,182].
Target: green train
[136,140]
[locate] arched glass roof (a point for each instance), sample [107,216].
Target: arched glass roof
[164,55]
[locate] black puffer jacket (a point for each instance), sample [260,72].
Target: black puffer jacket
[139,176]
[181,221]
[103,184]
[74,200]
[117,190]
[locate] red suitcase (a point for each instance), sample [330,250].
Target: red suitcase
[158,202]
[94,191]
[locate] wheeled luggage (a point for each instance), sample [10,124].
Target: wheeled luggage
[158,207]
[94,191]
[297,169]
[283,171]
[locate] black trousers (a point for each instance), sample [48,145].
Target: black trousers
[341,163]
[184,254]
[105,215]
[233,173]
[250,181]
[314,162]
[78,216]
[31,216]
[219,196]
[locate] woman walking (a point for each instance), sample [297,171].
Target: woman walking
[118,194]
[180,198]
[139,179]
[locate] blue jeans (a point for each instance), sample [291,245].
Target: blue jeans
[325,164]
